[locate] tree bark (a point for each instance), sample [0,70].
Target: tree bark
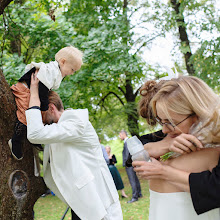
[132,113]
[19,188]
[3,5]
[15,45]
[183,36]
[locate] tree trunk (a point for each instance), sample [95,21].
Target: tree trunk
[183,36]
[19,188]
[133,121]
[15,45]
[132,114]
[3,5]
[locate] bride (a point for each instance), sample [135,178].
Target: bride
[183,106]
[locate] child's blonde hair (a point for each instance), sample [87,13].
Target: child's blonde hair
[69,53]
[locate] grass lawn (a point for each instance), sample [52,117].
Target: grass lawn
[51,208]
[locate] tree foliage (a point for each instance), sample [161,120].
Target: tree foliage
[112,74]
[112,35]
[201,22]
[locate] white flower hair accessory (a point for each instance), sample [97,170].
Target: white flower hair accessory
[171,74]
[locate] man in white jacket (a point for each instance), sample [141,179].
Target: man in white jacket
[74,167]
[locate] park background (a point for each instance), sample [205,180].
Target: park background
[51,208]
[125,43]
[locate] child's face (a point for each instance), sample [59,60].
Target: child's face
[69,68]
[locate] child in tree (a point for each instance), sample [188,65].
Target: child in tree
[67,61]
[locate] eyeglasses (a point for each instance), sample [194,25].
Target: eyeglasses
[169,125]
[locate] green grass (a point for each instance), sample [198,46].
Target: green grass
[51,208]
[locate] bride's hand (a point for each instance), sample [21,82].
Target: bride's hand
[185,143]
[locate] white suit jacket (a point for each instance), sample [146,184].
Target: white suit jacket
[49,73]
[74,166]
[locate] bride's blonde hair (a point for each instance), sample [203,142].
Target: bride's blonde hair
[187,95]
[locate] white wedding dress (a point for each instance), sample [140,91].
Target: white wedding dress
[176,206]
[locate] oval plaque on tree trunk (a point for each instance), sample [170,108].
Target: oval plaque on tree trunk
[18,183]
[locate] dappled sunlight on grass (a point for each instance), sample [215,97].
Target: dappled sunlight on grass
[50,208]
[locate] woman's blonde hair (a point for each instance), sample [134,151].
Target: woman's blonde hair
[147,92]
[187,95]
[108,147]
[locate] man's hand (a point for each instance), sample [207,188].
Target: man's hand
[185,143]
[34,91]
[34,83]
[149,170]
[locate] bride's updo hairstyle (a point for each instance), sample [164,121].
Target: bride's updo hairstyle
[187,95]
[147,92]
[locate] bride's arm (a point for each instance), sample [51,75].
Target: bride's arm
[156,149]
[184,143]
[157,170]
[177,171]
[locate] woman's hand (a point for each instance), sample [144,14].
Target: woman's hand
[185,143]
[148,170]
[157,170]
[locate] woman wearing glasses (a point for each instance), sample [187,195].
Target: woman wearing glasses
[183,106]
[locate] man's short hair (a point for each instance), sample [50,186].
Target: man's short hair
[55,99]
[123,131]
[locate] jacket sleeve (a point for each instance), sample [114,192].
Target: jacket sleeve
[205,189]
[114,160]
[125,154]
[152,137]
[66,131]
[105,155]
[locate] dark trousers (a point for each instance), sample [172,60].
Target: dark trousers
[134,181]
[74,216]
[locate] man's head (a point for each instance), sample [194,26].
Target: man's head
[55,110]
[69,59]
[122,134]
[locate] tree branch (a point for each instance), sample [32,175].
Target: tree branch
[183,36]
[103,99]
[146,42]
[3,5]
[136,93]
[121,90]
